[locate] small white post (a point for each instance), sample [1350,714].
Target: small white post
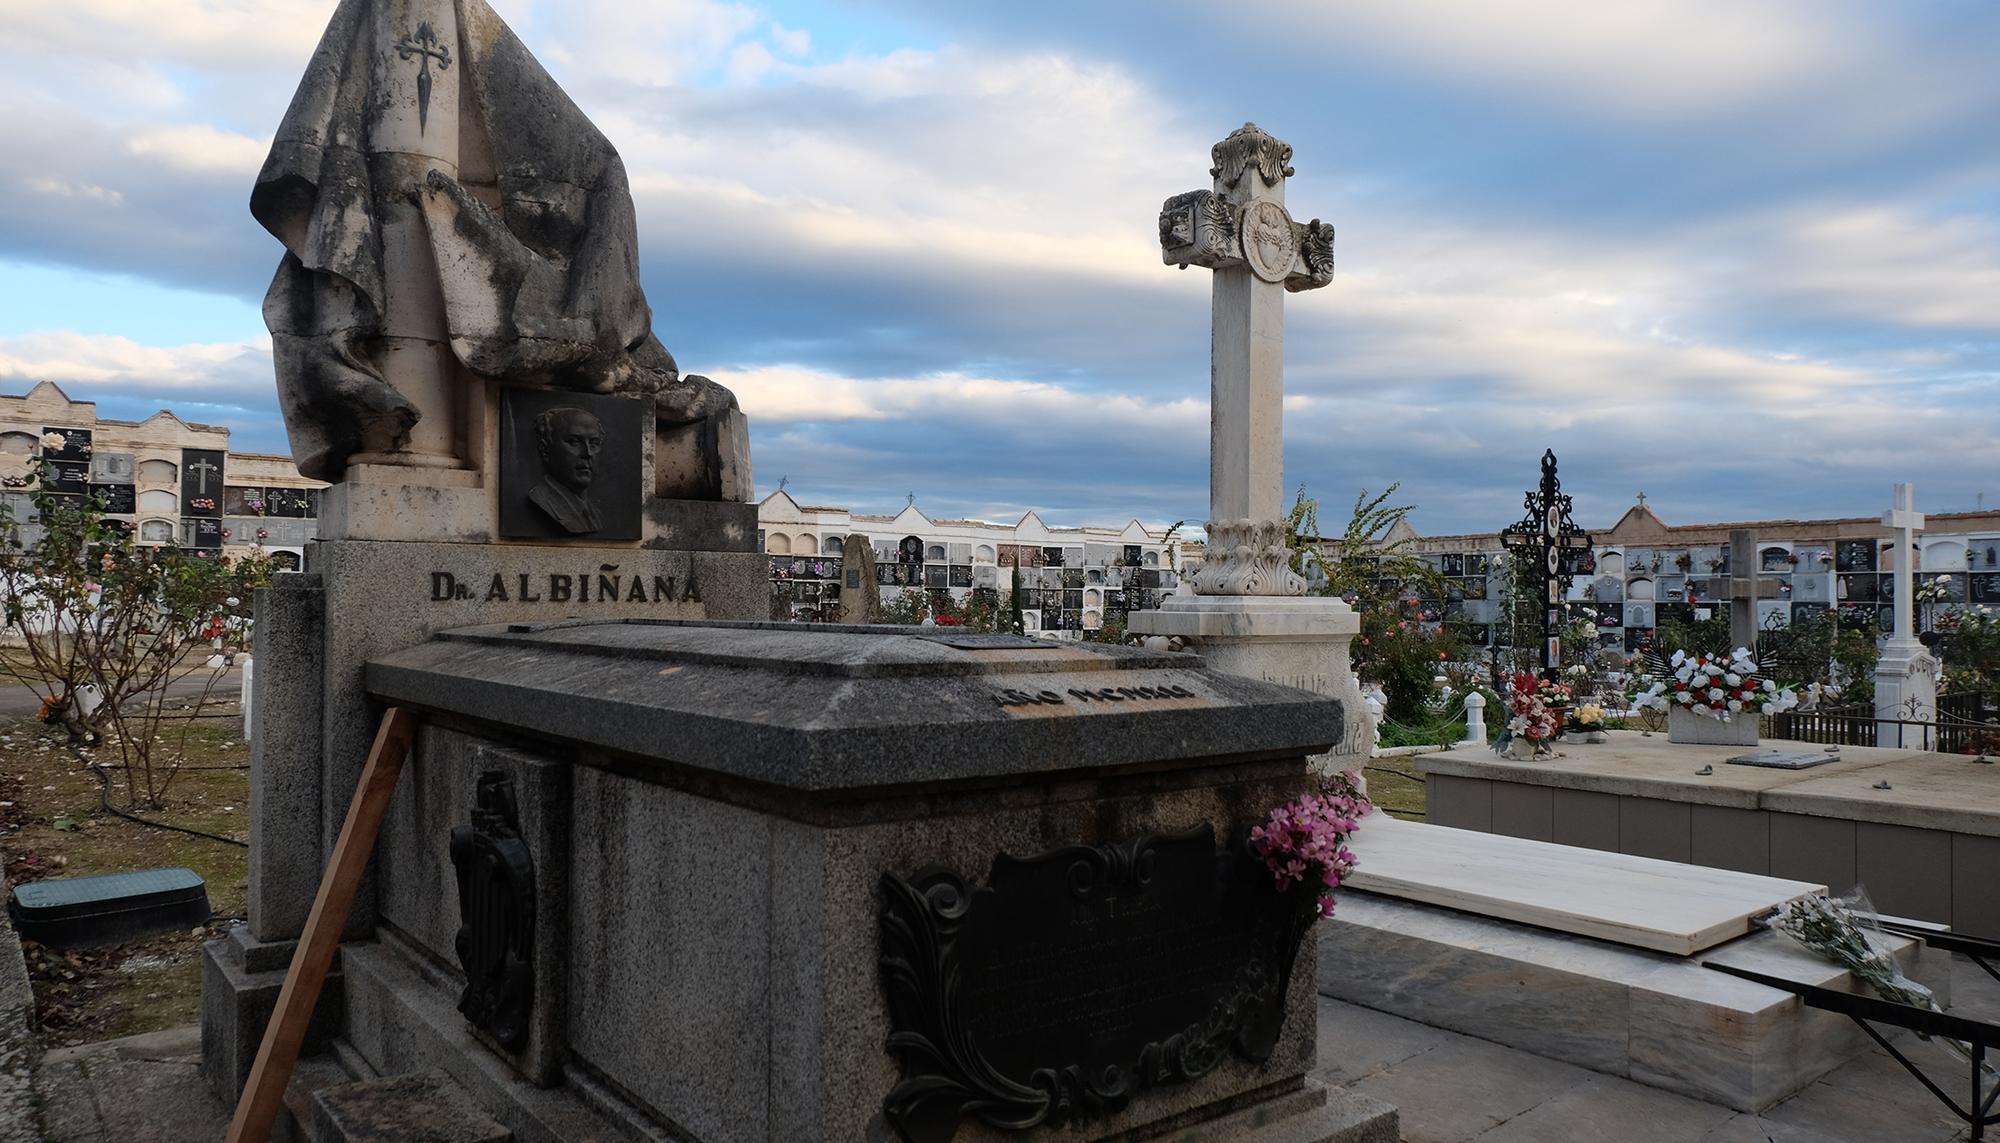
[1374,706]
[249,672]
[1475,719]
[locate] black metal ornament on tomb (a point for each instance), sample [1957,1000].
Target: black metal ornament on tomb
[1554,551]
[1077,979]
[496,911]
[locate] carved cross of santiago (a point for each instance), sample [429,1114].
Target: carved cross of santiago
[1241,231]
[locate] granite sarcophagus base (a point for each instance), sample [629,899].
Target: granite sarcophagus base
[738,881]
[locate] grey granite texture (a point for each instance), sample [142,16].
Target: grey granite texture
[18,1047]
[401,1017]
[285,793]
[1660,1019]
[701,526]
[423,1106]
[722,963]
[237,1002]
[829,708]
[382,597]
[418,883]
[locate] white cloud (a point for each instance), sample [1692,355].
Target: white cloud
[790,393]
[200,147]
[89,361]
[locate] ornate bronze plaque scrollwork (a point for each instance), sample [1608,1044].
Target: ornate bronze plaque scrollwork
[496,911]
[1078,978]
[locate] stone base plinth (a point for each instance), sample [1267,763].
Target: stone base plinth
[1299,641]
[1906,684]
[1701,730]
[240,982]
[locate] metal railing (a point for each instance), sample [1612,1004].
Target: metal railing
[1964,724]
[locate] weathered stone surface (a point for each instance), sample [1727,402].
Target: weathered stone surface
[17,1033]
[423,1108]
[860,595]
[831,708]
[537,275]
[418,882]
[285,816]
[392,595]
[701,526]
[236,1004]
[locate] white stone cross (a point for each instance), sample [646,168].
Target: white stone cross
[1240,230]
[202,469]
[1905,522]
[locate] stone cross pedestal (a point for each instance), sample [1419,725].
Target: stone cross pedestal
[1743,590]
[1906,676]
[1250,614]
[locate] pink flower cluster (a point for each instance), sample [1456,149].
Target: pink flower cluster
[1305,840]
[1529,704]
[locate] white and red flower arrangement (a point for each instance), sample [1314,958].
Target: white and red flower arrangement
[1531,713]
[1718,687]
[1304,842]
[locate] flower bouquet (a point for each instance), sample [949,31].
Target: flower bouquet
[1304,842]
[1586,724]
[1532,723]
[1716,700]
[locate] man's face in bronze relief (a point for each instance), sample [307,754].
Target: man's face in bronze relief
[571,440]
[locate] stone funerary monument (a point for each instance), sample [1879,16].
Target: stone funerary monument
[653,870]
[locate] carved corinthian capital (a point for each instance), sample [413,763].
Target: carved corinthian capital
[1247,557]
[1249,148]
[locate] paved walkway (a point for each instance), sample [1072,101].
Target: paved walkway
[1450,1088]
[141,1089]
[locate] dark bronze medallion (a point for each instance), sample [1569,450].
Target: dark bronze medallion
[496,911]
[571,464]
[1078,978]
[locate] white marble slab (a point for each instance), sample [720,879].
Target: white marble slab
[1664,1020]
[1637,901]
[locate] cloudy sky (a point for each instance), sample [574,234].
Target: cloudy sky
[1742,256]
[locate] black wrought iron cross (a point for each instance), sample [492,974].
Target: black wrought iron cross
[424,45]
[1550,541]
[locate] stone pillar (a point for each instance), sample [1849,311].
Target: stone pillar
[1475,719]
[414,130]
[1906,676]
[1743,590]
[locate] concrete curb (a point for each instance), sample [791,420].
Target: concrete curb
[18,1046]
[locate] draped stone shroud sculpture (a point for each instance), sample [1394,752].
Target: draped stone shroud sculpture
[533,237]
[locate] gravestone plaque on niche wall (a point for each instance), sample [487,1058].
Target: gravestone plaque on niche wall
[1077,979]
[570,465]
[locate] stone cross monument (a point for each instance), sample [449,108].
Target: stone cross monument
[1906,675]
[1241,231]
[1743,590]
[1250,614]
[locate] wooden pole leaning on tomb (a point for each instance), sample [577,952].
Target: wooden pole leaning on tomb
[257,1107]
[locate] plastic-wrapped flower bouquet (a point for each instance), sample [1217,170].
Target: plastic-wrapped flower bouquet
[1716,687]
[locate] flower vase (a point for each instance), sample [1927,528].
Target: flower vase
[1521,749]
[1701,730]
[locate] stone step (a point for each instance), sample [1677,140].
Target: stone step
[421,1107]
[1314,1113]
